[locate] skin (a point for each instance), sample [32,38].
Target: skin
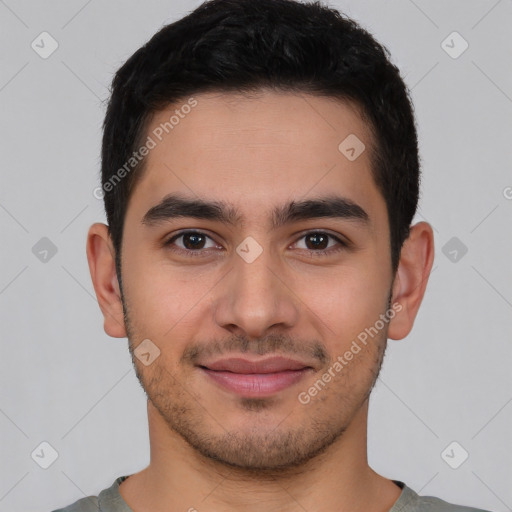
[212,449]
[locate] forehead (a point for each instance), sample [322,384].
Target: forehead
[256,151]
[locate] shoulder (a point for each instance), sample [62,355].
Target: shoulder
[434,504]
[410,501]
[87,504]
[108,500]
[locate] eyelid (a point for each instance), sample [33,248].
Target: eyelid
[343,243]
[337,236]
[167,241]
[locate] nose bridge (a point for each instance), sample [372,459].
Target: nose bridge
[254,297]
[253,279]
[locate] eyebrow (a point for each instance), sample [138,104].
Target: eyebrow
[175,206]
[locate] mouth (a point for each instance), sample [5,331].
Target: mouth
[255,379]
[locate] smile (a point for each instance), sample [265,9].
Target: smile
[255,378]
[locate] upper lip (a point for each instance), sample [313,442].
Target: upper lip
[268,365]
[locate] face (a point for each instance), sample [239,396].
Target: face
[255,253]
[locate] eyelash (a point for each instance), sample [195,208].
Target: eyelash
[200,252]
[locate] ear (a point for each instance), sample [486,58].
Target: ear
[416,259]
[101,258]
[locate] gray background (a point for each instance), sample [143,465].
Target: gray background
[64,381]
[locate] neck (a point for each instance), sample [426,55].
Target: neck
[337,479]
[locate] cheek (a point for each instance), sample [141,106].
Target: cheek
[164,299]
[346,299]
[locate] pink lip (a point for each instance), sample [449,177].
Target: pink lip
[256,384]
[256,378]
[269,365]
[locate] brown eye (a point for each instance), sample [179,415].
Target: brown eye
[318,243]
[191,242]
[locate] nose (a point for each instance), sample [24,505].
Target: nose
[256,297]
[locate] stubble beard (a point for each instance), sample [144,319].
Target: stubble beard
[275,450]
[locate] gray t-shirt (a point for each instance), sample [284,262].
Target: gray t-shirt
[110,500]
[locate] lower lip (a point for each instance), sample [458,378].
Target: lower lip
[256,384]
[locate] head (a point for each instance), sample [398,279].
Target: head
[280,134]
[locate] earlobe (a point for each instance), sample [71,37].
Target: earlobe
[416,259]
[101,259]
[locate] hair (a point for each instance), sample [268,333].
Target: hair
[245,46]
